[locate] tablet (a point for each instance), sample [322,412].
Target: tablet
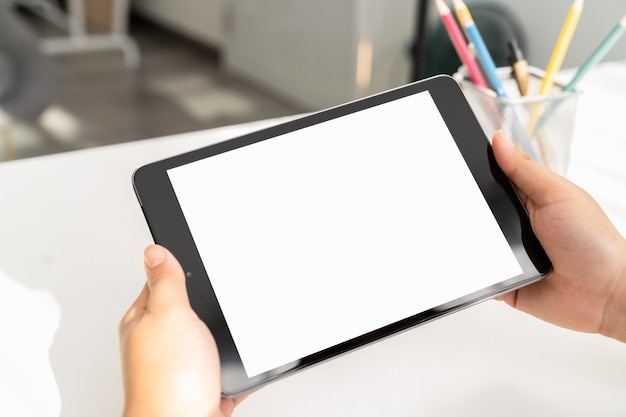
[309,239]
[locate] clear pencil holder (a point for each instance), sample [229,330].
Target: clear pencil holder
[542,126]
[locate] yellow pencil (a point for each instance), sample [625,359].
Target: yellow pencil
[556,60]
[562,44]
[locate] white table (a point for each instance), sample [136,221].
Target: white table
[71,242]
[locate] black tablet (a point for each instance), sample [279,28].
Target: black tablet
[323,234]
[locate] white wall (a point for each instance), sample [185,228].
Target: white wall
[392,39]
[303,50]
[307,51]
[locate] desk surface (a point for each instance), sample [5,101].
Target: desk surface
[71,244]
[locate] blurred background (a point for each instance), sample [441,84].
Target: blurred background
[76,74]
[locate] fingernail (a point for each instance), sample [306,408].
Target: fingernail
[506,140]
[154,256]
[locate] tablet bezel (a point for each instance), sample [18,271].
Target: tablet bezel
[169,228]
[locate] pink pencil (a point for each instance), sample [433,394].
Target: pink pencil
[459,44]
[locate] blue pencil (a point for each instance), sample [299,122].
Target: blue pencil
[490,69]
[481,49]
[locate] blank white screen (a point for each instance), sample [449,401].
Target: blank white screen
[321,235]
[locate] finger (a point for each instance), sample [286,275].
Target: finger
[504,162]
[228,404]
[535,181]
[136,308]
[166,279]
[510,298]
[242,397]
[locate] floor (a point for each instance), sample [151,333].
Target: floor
[179,87]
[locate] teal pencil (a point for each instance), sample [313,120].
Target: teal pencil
[597,55]
[600,52]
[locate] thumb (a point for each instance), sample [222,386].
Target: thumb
[166,279]
[536,182]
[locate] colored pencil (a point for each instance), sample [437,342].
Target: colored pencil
[481,49]
[460,45]
[600,52]
[554,65]
[561,47]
